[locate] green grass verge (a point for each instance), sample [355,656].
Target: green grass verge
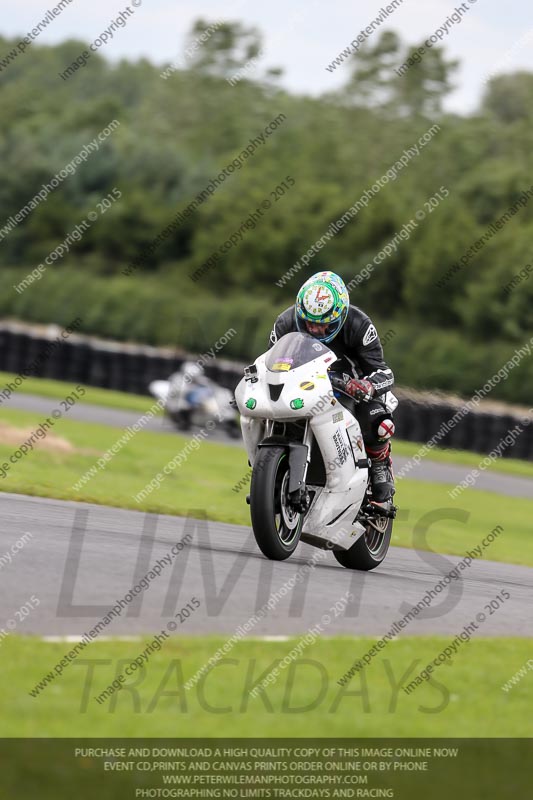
[508,466]
[131,402]
[463,699]
[204,484]
[98,397]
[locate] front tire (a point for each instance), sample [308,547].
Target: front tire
[369,551]
[277,527]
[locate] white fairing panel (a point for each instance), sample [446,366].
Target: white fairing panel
[253,431]
[337,503]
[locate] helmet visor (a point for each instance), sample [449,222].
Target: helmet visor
[323,332]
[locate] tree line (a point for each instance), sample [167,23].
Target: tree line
[181,128]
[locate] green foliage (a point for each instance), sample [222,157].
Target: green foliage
[180,129]
[377,81]
[149,310]
[510,97]
[222,48]
[422,89]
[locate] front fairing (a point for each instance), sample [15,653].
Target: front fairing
[292,381]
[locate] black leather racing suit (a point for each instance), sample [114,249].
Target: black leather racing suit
[360,355]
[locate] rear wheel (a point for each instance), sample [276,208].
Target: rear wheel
[369,551]
[276,525]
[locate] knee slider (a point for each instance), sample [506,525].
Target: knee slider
[385,429]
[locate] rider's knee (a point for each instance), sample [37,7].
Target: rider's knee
[385,429]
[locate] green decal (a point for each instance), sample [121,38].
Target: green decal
[251,403]
[297,404]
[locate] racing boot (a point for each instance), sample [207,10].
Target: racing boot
[381,476]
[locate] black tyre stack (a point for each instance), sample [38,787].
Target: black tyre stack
[131,368]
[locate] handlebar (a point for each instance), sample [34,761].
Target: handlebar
[339,385]
[337,382]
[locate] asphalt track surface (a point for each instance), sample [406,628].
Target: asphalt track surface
[82,558]
[427,470]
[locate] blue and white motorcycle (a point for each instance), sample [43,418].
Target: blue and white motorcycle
[192,400]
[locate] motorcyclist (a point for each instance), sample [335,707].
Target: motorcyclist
[188,388]
[323,310]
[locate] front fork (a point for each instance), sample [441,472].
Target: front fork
[299,459]
[260,434]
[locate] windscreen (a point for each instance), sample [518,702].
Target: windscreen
[293,350]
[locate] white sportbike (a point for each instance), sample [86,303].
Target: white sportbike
[310,477]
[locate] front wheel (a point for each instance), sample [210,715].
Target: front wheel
[276,525]
[369,551]
[181,419]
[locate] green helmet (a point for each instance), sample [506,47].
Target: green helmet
[323,299]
